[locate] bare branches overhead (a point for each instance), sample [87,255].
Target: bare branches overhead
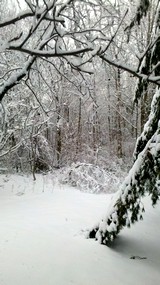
[76,31]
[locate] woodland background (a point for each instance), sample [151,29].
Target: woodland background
[65,111]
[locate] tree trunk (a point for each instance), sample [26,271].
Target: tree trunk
[118,116]
[79,128]
[58,136]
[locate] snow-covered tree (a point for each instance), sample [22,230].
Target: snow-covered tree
[42,74]
[49,50]
[144,176]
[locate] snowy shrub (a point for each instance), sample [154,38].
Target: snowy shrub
[90,178]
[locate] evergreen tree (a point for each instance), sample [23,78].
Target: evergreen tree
[144,177]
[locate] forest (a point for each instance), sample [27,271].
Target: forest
[80,100]
[68,82]
[79,142]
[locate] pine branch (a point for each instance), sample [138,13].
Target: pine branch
[151,125]
[144,176]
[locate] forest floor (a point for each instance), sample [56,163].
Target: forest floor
[42,238]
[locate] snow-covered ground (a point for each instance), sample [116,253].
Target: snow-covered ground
[42,238]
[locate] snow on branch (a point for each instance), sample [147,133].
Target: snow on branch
[15,78]
[26,14]
[63,6]
[18,17]
[149,78]
[33,12]
[142,9]
[126,207]
[52,53]
[151,125]
[19,43]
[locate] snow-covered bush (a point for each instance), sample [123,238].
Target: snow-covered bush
[90,178]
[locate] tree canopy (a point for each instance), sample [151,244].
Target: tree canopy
[57,29]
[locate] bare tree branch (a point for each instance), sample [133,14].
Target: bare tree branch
[150,78]
[36,52]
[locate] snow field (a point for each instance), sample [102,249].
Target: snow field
[42,230]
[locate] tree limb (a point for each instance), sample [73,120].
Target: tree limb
[150,78]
